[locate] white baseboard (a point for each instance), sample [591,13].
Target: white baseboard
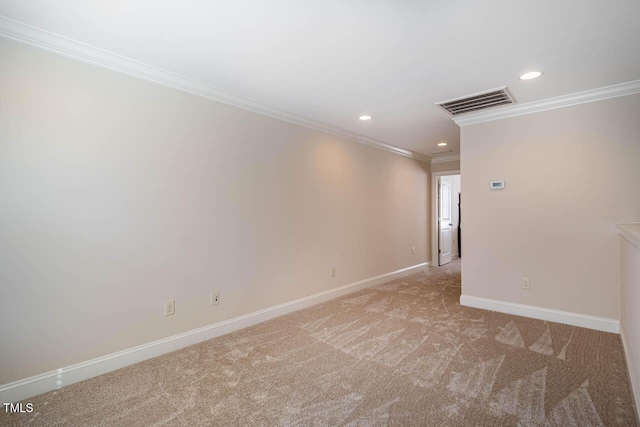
[33,386]
[558,316]
[633,380]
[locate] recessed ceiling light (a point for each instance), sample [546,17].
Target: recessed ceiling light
[531,75]
[365,117]
[442,144]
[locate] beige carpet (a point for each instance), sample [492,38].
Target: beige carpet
[404,353]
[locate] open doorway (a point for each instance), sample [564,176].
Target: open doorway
[447,209]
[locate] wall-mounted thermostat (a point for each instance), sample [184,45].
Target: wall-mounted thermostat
[497,185]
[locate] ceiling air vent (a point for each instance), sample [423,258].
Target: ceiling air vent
[477,101]
[445,151]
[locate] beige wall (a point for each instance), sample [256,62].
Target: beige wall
[455,190]
[445,166]
[630,316]
[117,194]
[571,174]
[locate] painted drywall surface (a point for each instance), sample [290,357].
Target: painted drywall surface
[630,319]
[571,174]
[455,190]
[117,194]
[445,166]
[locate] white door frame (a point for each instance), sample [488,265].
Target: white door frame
[434,212]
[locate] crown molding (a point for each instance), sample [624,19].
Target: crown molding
[443,159]
[51,42]
[592,95]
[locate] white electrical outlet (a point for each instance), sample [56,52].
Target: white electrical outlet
[526,283]
[170,307]
[332,272]
[215,297]
[413,249]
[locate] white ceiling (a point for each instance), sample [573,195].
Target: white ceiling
[333,60]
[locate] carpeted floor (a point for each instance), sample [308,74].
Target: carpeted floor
[404,353]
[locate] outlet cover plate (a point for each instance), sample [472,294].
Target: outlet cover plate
[170,307]
[215,297]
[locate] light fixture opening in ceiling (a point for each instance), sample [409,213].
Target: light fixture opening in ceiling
[365,117]
[442,144]
[531,75]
